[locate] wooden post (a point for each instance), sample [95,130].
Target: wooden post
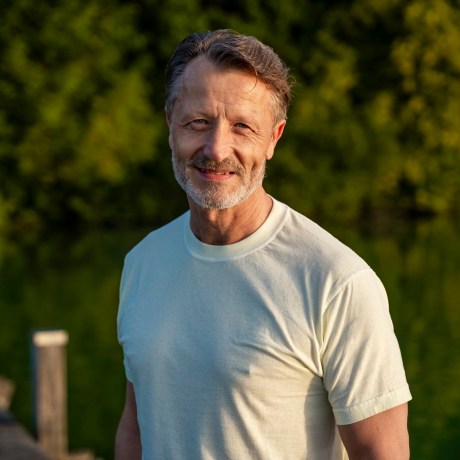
[50,391]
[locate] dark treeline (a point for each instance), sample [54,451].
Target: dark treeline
[374,127]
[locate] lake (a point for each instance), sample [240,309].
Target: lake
[71,281]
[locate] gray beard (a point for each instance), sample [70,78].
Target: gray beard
[211,196]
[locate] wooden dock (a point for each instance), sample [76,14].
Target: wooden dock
[50,410]
[15,442]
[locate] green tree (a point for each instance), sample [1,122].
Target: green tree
[375,118]
[75,117]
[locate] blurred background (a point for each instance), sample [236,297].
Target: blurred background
[371,152]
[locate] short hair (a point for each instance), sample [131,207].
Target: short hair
[229,50]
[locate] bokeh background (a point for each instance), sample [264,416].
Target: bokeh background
[371,152]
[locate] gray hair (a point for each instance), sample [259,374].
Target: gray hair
[227,50]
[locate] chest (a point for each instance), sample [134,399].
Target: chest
[222,326]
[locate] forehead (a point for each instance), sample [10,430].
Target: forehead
[204,82]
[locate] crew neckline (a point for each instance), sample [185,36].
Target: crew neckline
[262,236]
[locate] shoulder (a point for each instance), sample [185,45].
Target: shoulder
[160,240]
[315,247]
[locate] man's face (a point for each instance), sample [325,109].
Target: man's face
[222,132]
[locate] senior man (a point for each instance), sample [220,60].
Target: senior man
[248,331]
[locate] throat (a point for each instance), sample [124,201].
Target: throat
[221,227]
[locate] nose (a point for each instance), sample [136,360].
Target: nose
[219,143]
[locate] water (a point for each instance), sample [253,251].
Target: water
[71,281]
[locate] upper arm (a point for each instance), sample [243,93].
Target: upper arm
[129,416]
[383,436]
[128,442]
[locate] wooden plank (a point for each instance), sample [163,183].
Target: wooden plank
[15,442]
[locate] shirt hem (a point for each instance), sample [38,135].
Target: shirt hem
[373,406]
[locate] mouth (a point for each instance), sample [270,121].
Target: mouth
[215,172]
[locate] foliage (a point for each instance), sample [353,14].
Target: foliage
[75,117]
[373,127]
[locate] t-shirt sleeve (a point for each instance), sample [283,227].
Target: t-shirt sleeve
[362,365]
[121,318]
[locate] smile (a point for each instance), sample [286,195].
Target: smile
[212,171]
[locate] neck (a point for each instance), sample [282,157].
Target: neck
[228,226]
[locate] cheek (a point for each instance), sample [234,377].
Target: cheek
[185,139]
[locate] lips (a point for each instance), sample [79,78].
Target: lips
[213,171]
[226,167]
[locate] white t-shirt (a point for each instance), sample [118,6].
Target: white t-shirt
[255,350]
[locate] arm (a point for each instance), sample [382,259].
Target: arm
[128,440]
[381,437]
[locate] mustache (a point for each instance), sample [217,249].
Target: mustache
[201,162]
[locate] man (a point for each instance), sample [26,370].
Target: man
[248,331]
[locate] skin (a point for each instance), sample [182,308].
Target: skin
[381,437]
[128,440]
[226,117]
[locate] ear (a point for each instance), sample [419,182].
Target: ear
[168,121]
[277,132]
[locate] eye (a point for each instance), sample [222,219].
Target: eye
[241,126]
[199,122]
